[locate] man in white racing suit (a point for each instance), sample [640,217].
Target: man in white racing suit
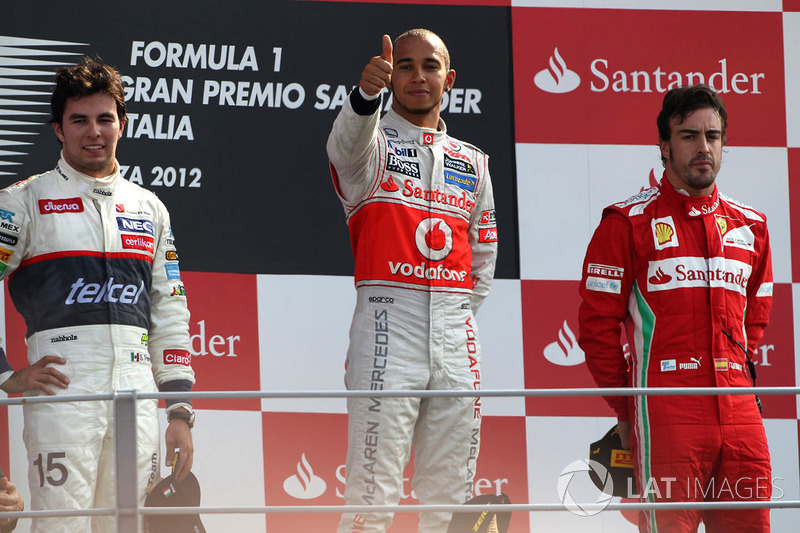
[420,211]
[92,267]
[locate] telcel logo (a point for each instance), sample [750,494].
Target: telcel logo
[110,292]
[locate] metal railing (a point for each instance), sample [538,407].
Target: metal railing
[128,512]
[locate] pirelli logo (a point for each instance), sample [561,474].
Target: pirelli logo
[605,270]
[621,458]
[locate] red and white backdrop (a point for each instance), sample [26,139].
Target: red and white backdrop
[230,111]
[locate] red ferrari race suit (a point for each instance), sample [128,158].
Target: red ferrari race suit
[92,267]
[420,211]
[691,279]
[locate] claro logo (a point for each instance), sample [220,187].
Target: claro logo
[177,357]
[65,205]
[558,78]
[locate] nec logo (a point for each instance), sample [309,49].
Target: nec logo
[66,205]
[135,225]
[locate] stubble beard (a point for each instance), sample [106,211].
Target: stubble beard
[691,177]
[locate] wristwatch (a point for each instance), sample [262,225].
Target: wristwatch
[180,414]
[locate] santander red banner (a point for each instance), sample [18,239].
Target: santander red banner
[300,468]
[223,333]
[577,82]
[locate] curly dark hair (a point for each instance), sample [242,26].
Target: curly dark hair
[90,76]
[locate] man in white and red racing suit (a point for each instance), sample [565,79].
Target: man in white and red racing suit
[420,211]
[92,267]
[690,278]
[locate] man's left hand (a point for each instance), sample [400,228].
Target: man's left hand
[179,436]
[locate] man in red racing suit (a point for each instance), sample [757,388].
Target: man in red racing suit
[688,272]
[420,211]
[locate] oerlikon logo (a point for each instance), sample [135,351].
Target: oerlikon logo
[434,239]
[304,485]
[558,78]
[565,351]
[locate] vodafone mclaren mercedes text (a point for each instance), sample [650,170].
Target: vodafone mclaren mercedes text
[88,269]
[420,212]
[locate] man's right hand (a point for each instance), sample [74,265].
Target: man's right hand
[378,72]
[38,376]
[624,430]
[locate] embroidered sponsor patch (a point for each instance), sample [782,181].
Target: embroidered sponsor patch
[467,183]
[664,235]
[177,357]
[594,283]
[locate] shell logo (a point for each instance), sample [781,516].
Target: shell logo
[664,233]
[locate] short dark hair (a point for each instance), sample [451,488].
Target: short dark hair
[680,102]
[422,33]
[90,76]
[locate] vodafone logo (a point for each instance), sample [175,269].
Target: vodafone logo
[66,205]
[305,485]
[557,78]
[434,239]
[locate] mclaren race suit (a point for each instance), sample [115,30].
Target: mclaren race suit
[92,267]
[420,211]
[691,279]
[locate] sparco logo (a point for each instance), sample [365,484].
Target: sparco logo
[87,293]
[381,300]
[434,239]
[102,192]
[66,205]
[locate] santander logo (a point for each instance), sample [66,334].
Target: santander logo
[605,76]
[304,485]
[660,277]
[565,351]
[389,185]
[557,78]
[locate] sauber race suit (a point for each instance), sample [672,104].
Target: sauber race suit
[421,215]
[691,279]
[92,267]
